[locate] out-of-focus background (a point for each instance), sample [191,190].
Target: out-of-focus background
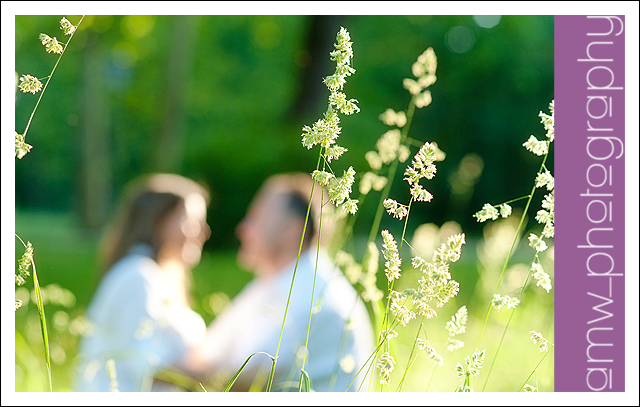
[223,99]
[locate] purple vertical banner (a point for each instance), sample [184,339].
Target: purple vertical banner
[589,183]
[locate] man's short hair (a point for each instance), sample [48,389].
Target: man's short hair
[296,188]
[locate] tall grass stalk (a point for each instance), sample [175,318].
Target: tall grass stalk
[295,269]
[21,149]
[375,226]
[393,148]
[43,321]
[391,283]
[313,290]
[538,148]
[504,332]
[385,317]
[370,358]
[24,135]
[325,132]
[536,368]
[235,376]
[410,361]
[506,261]
[504,267]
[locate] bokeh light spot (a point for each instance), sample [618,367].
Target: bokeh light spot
[137,26]
[124,55]
[487,21]
[459,39]
[267,35]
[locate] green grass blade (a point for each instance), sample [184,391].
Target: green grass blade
[43,323]
[271,374]
[307,382]
[180,379]
[235,377]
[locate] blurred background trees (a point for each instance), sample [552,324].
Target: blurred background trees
[223,99]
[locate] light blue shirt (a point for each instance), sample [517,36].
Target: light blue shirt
[340,338]
[138,319]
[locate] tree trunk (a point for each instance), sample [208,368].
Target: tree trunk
[95,175]
[180,57]
[320,40]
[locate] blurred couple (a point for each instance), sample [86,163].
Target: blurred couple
[142,323]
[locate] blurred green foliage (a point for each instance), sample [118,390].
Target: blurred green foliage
[238,100]
[232,93]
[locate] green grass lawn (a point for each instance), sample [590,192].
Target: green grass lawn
[66,265]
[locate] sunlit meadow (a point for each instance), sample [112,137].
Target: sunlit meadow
[451,312]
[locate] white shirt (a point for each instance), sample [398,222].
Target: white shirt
[138,319]
[340,329]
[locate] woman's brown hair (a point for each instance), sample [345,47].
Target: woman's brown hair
[146,204]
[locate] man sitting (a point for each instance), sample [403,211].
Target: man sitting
[340,336]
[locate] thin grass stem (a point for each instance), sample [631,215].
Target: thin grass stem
[295,269]
[385,318]
[495,356]
[375,227]
[517,199]
[535,368]
[513,243]
[433,373]
[504,267]
[313,289]
[49,79]
[410,362]
[374,353]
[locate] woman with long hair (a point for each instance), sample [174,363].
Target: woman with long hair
[140,318]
